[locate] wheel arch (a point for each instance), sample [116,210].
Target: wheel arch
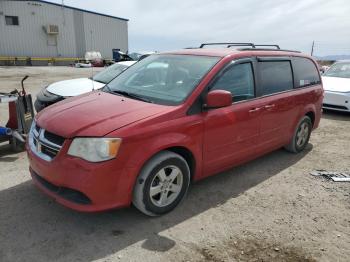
[311,114]
[181,150]
[187,155]
[310,111]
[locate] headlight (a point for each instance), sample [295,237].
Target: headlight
[95,149]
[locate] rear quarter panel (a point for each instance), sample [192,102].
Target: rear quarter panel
[309,99]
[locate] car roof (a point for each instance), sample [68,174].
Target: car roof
[127,63]
[223,52]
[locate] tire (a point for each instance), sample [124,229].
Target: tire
[301,136]
[17,146]
[38,106]
[168,175]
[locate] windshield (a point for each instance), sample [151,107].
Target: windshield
[163,79]
[106,75]
[339,70]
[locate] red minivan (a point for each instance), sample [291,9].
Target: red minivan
[171,119]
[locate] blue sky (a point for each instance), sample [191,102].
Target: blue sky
[165,25]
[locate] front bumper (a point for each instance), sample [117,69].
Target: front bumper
[336,101]
[81,185]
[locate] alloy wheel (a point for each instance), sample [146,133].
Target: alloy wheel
[166,186]
[302,134]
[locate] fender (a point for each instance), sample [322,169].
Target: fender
[154,145]
[166,141]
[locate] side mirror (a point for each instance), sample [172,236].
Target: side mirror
[218,98]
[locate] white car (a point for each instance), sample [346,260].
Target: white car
[138,56]
[63,89]
[336,83]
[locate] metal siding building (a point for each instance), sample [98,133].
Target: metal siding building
[78,30]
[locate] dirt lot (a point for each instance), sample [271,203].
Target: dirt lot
[268,210]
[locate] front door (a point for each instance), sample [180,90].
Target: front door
[232,133]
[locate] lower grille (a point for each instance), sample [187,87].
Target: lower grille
[64,192]
[48,151]
[335,106]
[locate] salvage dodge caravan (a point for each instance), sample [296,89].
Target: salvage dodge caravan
[171,119]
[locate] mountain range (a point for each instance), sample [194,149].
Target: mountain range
[333,57]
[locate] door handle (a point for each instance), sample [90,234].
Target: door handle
[256,109]
[269,106]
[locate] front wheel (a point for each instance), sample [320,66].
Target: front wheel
[301,136]
[162,184]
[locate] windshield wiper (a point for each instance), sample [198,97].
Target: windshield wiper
[128,94]
[106,88]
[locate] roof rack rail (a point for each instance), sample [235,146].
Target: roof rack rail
[240,44]
[267,49]
[255,46]
[251,47]
[277,46]
[229,44]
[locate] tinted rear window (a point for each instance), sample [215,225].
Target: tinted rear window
[305,72]
[276,76]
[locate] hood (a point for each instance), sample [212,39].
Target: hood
[95,114]
[336,84]
[74,87]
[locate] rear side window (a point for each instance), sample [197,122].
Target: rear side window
[239,80]
[275,77]
[305,72]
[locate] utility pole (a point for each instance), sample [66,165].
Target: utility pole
[312,48]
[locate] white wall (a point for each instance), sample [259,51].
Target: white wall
[29,38]
[107,33]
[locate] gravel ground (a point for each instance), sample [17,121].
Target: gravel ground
[270,209]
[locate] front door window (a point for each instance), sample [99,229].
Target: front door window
[239,80]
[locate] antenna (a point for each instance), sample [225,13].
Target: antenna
[92,67]
[92,77]
[312,48]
